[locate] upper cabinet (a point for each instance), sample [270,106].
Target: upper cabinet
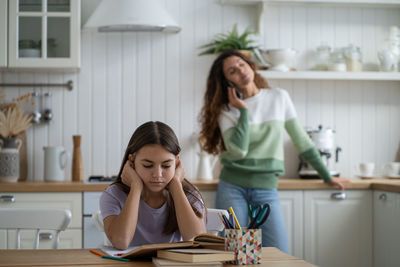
[3,33]
[42,34]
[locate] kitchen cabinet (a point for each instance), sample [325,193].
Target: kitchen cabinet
[3,33]
[386,229]
[338,232]
[44,34]
[71,238]
[292,209]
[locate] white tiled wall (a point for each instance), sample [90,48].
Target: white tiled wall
[129,78]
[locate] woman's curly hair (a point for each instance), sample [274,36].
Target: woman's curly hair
[215,98]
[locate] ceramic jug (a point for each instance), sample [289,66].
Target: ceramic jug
[55,160]
[9,159]
[206,166]
[388,60]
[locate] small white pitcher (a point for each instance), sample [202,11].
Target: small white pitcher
[206,166]
[55,161]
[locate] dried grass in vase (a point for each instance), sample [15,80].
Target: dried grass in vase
[13,121]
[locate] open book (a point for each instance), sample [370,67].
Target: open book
[203,240]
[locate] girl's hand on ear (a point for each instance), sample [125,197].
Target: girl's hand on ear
[130,177]
[179,174]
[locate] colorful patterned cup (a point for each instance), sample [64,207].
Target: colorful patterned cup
[246,243]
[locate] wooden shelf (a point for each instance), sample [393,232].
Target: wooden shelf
[331,75]
[361,3]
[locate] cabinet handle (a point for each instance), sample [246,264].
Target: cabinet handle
[7,198]
[338,195]
[383,197]
[47,236]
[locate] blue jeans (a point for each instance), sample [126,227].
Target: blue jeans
[273,230]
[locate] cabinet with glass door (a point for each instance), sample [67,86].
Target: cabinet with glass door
[44,34]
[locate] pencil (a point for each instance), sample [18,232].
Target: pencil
[114,258]
[97,253]
[234,217]
[222,219]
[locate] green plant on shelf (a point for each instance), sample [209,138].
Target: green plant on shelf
[228,41]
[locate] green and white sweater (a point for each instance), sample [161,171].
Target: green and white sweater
[253,138]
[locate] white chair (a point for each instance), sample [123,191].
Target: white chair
[35,219]
[214,224]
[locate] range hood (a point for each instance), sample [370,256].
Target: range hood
[131,15]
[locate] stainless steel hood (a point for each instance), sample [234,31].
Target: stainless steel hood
[131,15]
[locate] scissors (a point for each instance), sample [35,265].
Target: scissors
[258,215]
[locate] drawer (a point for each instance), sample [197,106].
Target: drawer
[71,201]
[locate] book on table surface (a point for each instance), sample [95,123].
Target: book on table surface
[150,250]
[196,255]
[170,263]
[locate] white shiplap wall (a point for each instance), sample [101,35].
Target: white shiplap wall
[129,78]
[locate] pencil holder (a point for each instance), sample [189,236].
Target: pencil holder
[246,243]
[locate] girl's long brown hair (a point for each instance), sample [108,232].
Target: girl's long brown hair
[215,98]
[158,133]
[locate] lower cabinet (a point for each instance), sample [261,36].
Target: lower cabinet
[386,229]
[292,209]
[338,232]
[70,238]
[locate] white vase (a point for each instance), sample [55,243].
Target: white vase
[206,166]
[9,159]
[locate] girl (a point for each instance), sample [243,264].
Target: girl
[151,201]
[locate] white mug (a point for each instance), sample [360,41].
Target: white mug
[55,160]
[366,169]
[392,168]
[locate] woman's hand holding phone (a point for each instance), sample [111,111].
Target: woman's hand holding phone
[234,100]
[130,177]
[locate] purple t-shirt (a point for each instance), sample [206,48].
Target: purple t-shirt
[150,222]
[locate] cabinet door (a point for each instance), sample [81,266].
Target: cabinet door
[386,229]
[3,33]
[44,33]
[292,208]
[70,238]
[338,232]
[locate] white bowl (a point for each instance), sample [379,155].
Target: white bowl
[29,52]
[280,59]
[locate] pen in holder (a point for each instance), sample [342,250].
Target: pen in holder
[246,244]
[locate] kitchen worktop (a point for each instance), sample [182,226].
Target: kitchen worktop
[392,185]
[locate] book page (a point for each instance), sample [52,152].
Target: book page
[112,251]
[200,251]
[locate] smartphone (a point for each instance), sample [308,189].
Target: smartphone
[238,93]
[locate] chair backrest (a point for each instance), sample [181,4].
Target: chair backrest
[214,224]
[36,219]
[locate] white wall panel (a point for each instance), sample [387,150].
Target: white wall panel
[129,78]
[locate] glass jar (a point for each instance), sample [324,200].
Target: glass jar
[353,57]
[323,55]
[337,61]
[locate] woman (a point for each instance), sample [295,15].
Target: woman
[151,201]
[248,135]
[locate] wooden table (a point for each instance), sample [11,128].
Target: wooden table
[272,257]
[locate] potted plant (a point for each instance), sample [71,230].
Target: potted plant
[231,40]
